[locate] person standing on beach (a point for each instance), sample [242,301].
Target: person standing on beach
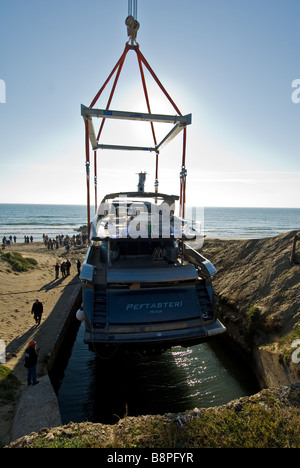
[31,357]
[56,270]
[37,310]
[68,266]
[63,269]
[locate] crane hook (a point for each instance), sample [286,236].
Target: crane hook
[132,27]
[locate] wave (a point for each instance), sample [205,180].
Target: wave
[39,224]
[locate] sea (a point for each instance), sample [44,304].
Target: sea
[211,374]
[34,220]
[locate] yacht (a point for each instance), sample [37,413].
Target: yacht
[144,286]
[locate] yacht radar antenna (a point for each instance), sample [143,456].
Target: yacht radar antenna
[142,180]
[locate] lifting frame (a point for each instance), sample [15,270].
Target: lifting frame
[88,113]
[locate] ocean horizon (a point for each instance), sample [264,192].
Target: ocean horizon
[22,219]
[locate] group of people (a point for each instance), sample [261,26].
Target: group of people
[64,268]
[66,241]
[50,243]
[8,240]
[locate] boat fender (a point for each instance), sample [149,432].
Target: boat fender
[80,315]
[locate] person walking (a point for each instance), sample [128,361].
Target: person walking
[56,270]
[68,266]
[63,269]
[31,357]
[37,310]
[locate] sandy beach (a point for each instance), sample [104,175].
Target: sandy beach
[18,291]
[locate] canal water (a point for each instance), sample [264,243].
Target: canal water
[105,390]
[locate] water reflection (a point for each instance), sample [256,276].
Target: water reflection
[105,390]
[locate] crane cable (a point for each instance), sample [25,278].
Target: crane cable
[131,21]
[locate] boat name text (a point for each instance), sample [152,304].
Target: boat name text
[154,306]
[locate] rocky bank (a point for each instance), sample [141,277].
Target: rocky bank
[258,294]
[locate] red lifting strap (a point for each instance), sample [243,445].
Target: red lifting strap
[121,59]
[118,68]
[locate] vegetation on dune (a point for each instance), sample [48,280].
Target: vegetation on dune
[8,384]
[266,420]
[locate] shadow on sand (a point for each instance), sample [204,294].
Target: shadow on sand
[52,329]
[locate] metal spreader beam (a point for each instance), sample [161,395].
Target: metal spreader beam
[180,120]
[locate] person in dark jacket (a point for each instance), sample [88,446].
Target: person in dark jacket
[68,266]
[37,310]
[31,357]
[78,266]
[57,268]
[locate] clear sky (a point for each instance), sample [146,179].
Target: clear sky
[230,63]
